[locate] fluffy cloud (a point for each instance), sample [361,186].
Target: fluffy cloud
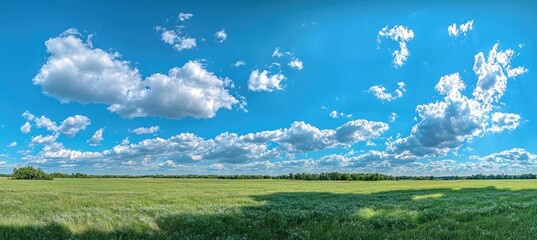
[513,156]
[455,31]
[146,130]
[176,39]
[493,74]
[258,82]
[220,35]
[402,35]
[226,147]
[12,144]
[380,92]
[26,127]
[77,72]
[457,119]
[184,16]
[40,139]
[503,121]
[96,138]
[296,64]
[70,126]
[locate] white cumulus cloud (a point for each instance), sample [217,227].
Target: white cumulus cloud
[261,81]
[296,64]
[176,39]
[449,123]
[26,127]
[402,35]
[77,72]
[380,92]
[502,121]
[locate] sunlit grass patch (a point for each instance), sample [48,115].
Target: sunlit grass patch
[427,196]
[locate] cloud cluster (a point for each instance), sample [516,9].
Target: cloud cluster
[380,92]
[225,148]
[263,81]
[296,64]
[514,161]
[455,31]
[457,119]
[75,71]
[402,35]
[69,126]
[184,16]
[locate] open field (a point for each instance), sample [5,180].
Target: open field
[267,209]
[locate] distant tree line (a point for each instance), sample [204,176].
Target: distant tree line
[33,173]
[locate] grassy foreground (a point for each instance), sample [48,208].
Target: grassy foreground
[267,209]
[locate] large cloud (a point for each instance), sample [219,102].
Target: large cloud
[457,119]
[75,71]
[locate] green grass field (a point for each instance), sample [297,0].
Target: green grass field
[267,209]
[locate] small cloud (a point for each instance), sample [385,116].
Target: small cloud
[184,16]
[12,144]
[380,92]
[393,117]
[296,64]
[277,53]
[217,166]
[146,130]
[239,63]
[335,114]
[26,127]
[402,35]
[258,82]
[96,138]
[221,35]
[455,31]
[176,39]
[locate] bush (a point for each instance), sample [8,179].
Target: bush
[29,173]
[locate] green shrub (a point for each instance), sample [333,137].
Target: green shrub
[30,173]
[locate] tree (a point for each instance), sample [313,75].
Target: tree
[30,173]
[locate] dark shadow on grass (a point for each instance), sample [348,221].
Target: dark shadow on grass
[473,213]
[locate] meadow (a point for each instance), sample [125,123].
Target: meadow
[267,209]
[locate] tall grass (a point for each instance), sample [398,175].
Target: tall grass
[267,209]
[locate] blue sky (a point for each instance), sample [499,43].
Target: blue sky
[268,88]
